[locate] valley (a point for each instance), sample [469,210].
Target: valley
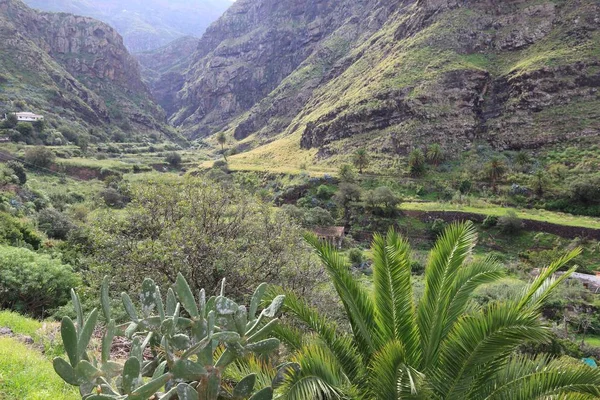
[407,177]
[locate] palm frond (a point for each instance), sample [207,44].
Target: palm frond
[357,303]
[480,344]
[448,255]
[467,280]
[539,290]
[252,364]
[390,377]
[319,376]
[524,378]
[342,347]
[396,318]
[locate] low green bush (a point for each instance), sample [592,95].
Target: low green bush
[33,283]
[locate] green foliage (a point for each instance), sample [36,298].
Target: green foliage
[39,125]
[510,224]
[435,154]
[11,121]
[33,283]
[16,232]
[586,190]
[186,357]
[40,157]
[494,171]
[19,171]
[383,199]
[212,231]
[490,221]
[436,346]
[25,129]
[345,196]
[347,174]
[356,256]
[361,159]
[325,192]
[416,162]
[54,224]
[174,159]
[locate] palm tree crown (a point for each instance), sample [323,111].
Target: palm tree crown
[441,346]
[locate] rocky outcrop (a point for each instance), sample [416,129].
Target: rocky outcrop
[393,75]
[80,62]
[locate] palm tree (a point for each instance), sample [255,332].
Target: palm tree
[435,154]
[441,346]
[495,170]
[416,162]
[222,139]
[361,159]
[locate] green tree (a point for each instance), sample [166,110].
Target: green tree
[435,154]
[436,347]
[361,159]
[222,140]
[40,157]
[347,173]
[345,196]
[539,182]
[416,162]
[383,198]
[39,125]
[11,120]
[201,228]
[495,170]
[174,159]
[522,160]
[19,170]
[25,129]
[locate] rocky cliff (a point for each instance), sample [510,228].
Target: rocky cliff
[73,67]
[399,73]
[144,24]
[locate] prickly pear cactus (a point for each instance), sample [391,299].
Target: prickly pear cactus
[182,345]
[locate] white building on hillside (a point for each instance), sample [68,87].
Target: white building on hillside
[28,117]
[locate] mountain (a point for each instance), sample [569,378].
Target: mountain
[73,70]
[394,74]
[144,24]
[163,69]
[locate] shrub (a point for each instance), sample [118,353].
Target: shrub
[586,190]
[438,226]
[25,129]
[33,283]
[325,192]
[222,165]
[114,198]
[40,157]
[490,221]
[317,216]
[18,170]
[347,173]
[16,233]
[54,224]
[356,257]
[510,224]
[174,159]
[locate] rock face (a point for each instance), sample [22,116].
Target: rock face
[144,24]
[163,70]
[73,66]
[396,74]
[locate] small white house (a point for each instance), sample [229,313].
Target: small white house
[28,117]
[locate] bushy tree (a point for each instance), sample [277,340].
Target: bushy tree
[33,283]
[16,232]
[510,223]
[174,159]
[39,125]
[586,190]
[416,162]
[434,346]
[54,224]
[19,170]
[25,129]
[361,159]
[345,196]
[382,198]
[204,229]
[539,182]
[11,121]
[40,157]
[347,173]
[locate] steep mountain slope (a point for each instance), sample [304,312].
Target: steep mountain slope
[396,74]
[163,69]
[144,24]
[74,68]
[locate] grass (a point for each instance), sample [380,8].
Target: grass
[534,215]
[26,375]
